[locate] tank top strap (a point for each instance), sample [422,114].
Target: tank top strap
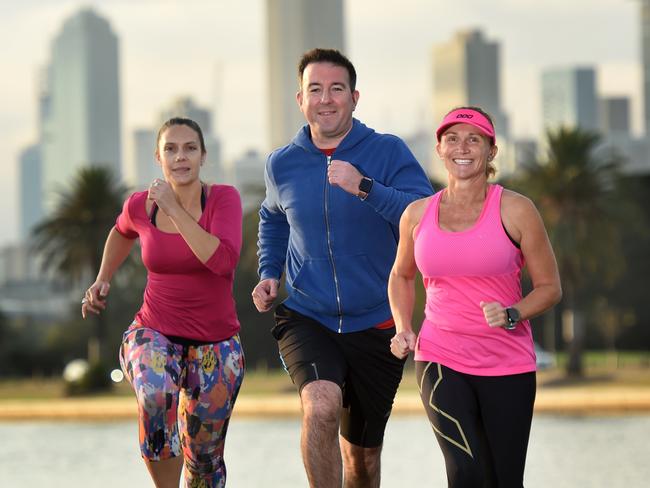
[492,211]
[430,215]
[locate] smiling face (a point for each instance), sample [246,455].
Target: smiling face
[180,154]
[465,151]
[327,102]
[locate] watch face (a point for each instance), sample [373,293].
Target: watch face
[365,185]
[513,315]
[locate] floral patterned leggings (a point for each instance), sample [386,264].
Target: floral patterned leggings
[185,396]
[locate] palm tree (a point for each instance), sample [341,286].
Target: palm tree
[72,238]
[575,188]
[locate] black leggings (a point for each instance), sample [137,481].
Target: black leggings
[482,424]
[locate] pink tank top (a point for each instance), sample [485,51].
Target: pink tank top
[460,270]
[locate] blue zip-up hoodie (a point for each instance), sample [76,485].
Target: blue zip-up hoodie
[338,250]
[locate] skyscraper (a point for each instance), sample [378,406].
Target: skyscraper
[645,53]
[82,126]
[30,169]
[293,27]
[569,98]
[144,168]
[467,71]
[30,208]
[615,116]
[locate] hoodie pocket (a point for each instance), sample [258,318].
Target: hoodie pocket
[314,286]
[361,286]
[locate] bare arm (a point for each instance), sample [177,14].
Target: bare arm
[401,282]
[116,249]
[525,225]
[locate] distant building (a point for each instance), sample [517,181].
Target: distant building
[294,27]
[525,151]
[645,54]
[615,116]
[82,125]
[30,208]
[144,165]
[145,168]
[421,143]
[247,174]
[618,138]
[467,71]
[569,98]
[26,290]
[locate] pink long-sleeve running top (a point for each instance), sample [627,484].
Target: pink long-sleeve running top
[183,296]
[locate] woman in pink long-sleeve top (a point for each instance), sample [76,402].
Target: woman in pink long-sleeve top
[182,353]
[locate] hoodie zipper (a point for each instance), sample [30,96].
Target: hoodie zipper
[329,249]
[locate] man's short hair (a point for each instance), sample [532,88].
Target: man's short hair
[334,56]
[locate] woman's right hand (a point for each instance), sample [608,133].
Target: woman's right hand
[403,343]
[94,299]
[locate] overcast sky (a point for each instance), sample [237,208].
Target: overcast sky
[214,50]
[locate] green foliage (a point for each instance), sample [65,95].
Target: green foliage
[579,194]
[72,238]
[259,346]
[575,189]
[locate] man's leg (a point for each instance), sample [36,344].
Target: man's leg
[362,465]
[370,386]
[321,413]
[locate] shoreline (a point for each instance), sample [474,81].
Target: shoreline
[621,400]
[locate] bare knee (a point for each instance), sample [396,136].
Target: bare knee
[321,404]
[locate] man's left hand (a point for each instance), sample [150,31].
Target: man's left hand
[344,175]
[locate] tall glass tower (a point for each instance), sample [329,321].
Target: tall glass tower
[294,27]
[645,53]
[82,126]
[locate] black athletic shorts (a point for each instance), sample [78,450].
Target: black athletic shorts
[359,362]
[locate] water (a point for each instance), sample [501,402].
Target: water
[570,452]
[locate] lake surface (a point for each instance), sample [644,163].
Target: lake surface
[571,452]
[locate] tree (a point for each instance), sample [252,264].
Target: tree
[576,190]
[72,238]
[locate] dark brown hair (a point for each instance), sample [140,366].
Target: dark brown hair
[319,55]
[182,121]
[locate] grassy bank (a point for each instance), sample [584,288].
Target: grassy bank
[602,370]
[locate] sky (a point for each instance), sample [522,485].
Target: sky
[215,51]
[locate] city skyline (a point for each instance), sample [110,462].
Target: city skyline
[218,56]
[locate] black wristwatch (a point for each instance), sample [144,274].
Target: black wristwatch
[513,316]
[365,185]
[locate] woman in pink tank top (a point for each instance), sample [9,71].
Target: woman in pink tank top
[475,361]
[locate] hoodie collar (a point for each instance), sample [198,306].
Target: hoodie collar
[358,133]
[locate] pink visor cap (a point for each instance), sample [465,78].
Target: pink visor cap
[467,116]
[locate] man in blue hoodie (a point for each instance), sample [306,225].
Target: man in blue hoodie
[330,220]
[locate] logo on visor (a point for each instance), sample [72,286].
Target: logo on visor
[464,116]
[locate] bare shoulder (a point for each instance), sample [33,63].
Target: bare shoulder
[515,205]
[414,212]
[519,215]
